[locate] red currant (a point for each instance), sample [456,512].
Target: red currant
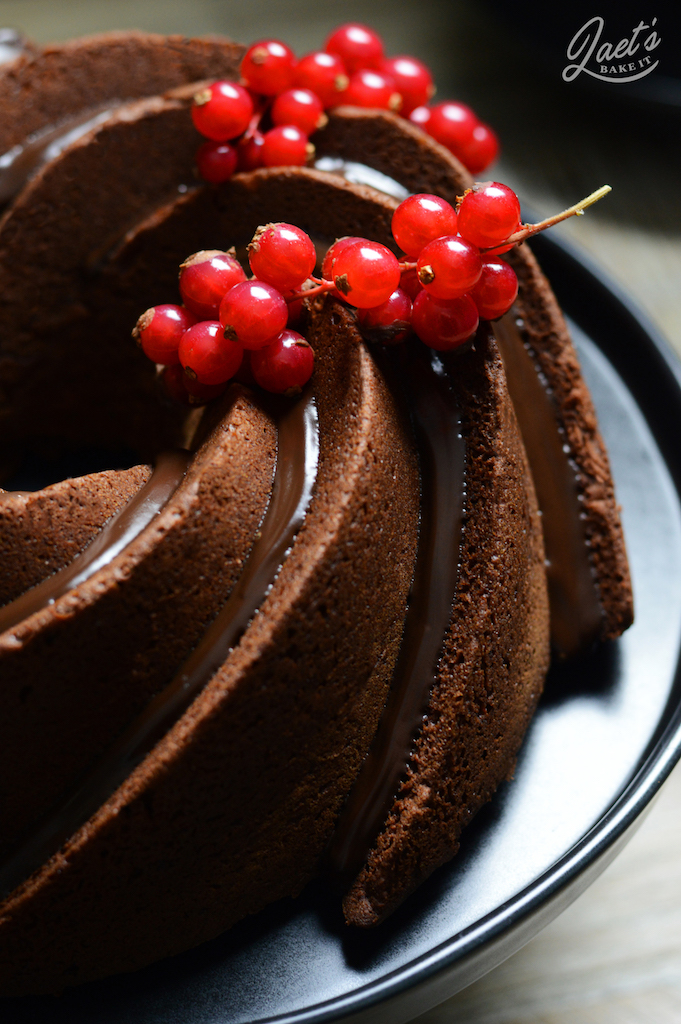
[499,249]
[444,324]
[481,149]
[253,313]
[323,73]
[420,219]
[285,365]
[366,273]
[452,124]
[421,117]
[282,255]
[409,283]
[496,290]
[413,81]
[216,161]
[204,279]
[333,252]
[249,152]
[159,331]
[488,214]
[357,46]
[300,107]
[268,67]
[286,146]
[372,89]
[388,323]
[207,355]
[449,267]
[222,111]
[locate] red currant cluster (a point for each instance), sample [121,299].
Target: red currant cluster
[234,327]
[231,327]
[266,120]
[451,276]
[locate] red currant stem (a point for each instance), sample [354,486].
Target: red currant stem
[407,264]
[528,230]
[254,123]
[325,286]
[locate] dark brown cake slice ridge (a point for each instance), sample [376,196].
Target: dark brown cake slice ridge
[48,87]
[493,658]
[403,152]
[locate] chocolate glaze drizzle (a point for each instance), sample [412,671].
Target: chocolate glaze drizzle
[437,425]
[115,535]
[362,174]
[19,163]
[294,480]
[576,613]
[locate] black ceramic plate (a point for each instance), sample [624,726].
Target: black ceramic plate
[607,733]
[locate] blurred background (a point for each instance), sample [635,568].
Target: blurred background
[615,956]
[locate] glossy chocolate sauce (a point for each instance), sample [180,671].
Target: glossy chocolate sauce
[362,174]
[21,162]
[576,613]
[437,425]
[115,535]
[294,480]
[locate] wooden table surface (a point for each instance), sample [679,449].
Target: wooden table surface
[614,957]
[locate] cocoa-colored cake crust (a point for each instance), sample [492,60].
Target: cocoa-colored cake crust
[44,88]
[494,659]
[42,531]
[290,715]
[117,639]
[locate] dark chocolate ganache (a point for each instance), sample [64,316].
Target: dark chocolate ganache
[114,536]
[576,613]
[22,161]
[436,419]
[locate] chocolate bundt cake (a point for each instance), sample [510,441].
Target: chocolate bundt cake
[314,634]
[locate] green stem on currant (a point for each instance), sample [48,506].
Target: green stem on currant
[528,230]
